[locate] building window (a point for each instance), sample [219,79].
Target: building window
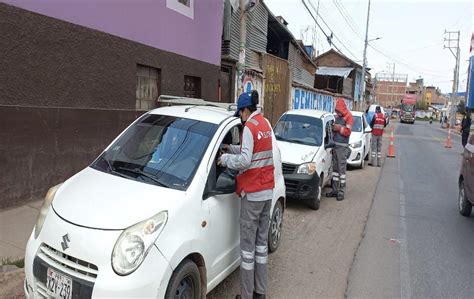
[148,87]
[192,87]
[185,2]
[184,7]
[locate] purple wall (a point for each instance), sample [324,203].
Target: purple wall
[149,22]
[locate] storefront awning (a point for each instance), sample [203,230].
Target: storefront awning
[334,71]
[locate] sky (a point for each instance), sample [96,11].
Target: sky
[411,32]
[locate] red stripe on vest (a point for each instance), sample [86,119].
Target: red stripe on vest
[258,178]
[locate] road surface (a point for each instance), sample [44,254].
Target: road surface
[416,243]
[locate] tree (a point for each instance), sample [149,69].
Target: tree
[420,105]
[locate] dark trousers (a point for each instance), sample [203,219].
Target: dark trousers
[464,137]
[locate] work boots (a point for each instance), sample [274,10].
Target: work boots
[331,194]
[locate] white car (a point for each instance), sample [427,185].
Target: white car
[152,217]
[304,137]
[359,141]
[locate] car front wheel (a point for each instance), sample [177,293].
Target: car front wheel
[276,227]
[185,282]
[316,200]
[465,206]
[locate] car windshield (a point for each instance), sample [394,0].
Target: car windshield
[300,129]
[160,150]
[357,126]
[408,108]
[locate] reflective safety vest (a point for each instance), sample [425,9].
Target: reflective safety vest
[260,175]
[379,124]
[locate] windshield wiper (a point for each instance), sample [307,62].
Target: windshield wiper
[140,172]
[282,138]
[111,168]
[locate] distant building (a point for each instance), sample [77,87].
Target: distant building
[340,75]
[390,89]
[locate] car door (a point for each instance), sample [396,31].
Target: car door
[327,160]
[367,136]
[468,165]
[224,211]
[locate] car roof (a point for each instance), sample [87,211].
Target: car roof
[309,112]
[209,114]
[357,113]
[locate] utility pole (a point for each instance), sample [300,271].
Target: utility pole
[452,42]
[391,69]
[243,41]
[364,61]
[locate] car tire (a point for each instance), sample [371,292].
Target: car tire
[185,281]
[314,202]
[276,227]
[465,207]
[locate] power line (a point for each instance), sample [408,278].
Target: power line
[332,32]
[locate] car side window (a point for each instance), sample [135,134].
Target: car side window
[364,121]
[217,172]
[328,133]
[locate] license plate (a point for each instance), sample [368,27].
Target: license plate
[58,285]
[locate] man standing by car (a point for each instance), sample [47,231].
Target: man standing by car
[255,183]
[377,124]
[342,131]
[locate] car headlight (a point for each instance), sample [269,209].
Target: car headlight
[307,168]
[45,208]
[134,243]
[356,144]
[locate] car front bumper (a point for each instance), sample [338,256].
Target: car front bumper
[357,155]
[87,262]
[301,186]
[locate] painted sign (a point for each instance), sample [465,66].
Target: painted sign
[305,99]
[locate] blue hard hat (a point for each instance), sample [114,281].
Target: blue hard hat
[245,100]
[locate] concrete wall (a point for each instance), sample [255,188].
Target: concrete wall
[41,147]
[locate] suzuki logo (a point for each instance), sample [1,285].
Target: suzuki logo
[65,241]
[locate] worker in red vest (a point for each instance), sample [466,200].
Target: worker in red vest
[342,131]
[255,183]
[377,124]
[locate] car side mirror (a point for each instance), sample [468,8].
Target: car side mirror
[331,144]
[368,130]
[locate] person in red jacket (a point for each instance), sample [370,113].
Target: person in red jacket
[342,131]
[377,124]
[255,183]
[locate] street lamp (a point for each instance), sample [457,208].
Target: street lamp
[377,38]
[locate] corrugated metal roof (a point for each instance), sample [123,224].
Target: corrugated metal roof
[334,71]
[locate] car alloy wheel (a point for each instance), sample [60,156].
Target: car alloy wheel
[276,227]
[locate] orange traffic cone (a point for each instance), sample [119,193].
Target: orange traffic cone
[391,148]
[449,144]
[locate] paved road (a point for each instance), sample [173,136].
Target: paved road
[318,247]
[416,243]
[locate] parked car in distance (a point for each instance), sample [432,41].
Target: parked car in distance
[466,179]
[359,141]
[153,216]
[304,137]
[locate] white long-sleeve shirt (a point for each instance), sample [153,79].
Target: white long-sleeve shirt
[240,158]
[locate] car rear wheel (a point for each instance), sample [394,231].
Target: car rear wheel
[314,202]
[465,206]
[276,227]
[185,282]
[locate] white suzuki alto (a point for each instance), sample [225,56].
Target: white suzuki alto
[153,216]
[359,142]
[304,137]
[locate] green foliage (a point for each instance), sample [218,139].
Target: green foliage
[20,263]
